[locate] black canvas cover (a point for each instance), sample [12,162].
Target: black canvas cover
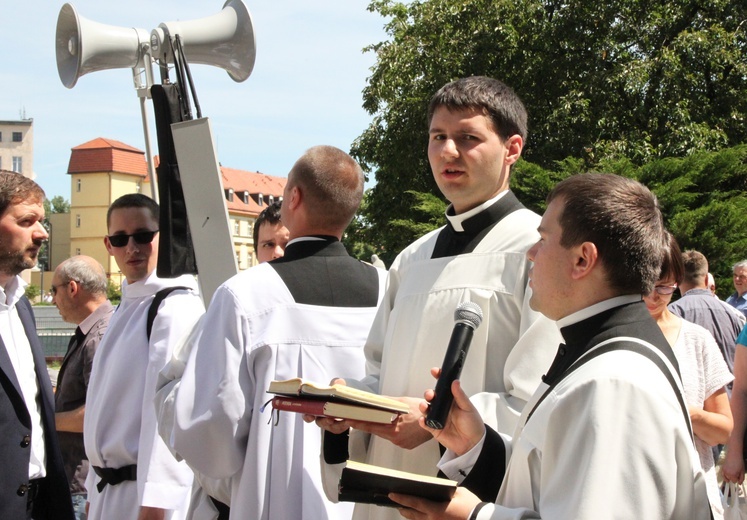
[176,252]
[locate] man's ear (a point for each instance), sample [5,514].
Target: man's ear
[74,287]
[108,245]
[514,145]
[586,257]
[295,197]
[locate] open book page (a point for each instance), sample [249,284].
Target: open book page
[342,393]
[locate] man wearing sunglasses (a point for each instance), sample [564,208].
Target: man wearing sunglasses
[32,478]
[135,476]
[698,306]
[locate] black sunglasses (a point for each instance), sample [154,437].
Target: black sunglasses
[141,237]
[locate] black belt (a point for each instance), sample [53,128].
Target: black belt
[114,476]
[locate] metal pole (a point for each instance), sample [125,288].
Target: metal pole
[143,92]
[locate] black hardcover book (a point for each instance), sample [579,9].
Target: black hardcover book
[368,484]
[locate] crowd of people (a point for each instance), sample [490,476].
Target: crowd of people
[587,392]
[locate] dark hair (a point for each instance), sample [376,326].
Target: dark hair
[622,218]
[134,200]
[332,183]
[15,188]
[695,268]
[673,266]
[496,100]
[269,215]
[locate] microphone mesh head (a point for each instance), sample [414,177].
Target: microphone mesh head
[468,312]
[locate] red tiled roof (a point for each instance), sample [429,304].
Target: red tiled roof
[253,182]
[107,155]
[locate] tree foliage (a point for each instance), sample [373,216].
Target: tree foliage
[58,204]
[704,200]
[32,292]
[623,82]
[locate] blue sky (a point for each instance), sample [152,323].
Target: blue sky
[305,89]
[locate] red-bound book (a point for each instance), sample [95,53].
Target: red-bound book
[322,408]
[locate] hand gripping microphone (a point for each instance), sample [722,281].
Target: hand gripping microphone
[468,317]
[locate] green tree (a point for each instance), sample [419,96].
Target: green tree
[113,292]
[32,292]
[601,81]
[704,199]
[57,204]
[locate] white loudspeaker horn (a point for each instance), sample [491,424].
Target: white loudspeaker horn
[223,40]
[102,47]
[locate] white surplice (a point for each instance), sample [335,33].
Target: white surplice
[509,353]
[120,419]
[254,332]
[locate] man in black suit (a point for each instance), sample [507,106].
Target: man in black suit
[32,481]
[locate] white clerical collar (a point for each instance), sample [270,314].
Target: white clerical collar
[304,239]
[456,220]
[598,308]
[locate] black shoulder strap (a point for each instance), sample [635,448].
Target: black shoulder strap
[622,344]
[632,345]
[156,303]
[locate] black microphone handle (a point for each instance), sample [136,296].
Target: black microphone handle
[456,353]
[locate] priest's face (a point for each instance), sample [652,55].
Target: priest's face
[551,275]
[136,258]
[469,160]
[271,241]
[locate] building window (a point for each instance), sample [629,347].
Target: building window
[77,220]
[17,137]
[18,164]
[1,137]
[271,200]
[261,199]
[77,185]
[236,227]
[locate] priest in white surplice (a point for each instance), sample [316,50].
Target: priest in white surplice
[304,315]
[134,476]
[607,435]
[477,130]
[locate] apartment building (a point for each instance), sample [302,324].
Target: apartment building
[17,146]
[101,170]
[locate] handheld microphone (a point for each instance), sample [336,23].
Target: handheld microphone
[468,317]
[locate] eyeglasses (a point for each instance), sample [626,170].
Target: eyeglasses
[54,287]
[665,290]
[141,237]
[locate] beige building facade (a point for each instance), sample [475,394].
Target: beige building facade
[17,147]
[102,170]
